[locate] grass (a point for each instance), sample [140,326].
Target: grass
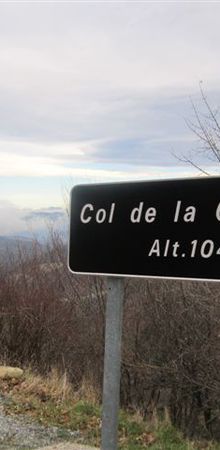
[52,401]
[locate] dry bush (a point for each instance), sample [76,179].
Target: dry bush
[88,391]
[172,358]
[55,386]
[49,317]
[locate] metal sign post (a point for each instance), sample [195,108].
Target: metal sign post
[112,363]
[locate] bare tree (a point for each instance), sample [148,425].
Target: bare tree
[206,128]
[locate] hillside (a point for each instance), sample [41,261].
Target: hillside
[11,244]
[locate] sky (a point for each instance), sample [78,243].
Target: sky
[98,91]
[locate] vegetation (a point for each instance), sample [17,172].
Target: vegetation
[50,318]
[52,401]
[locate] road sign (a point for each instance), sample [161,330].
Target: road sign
[168,229]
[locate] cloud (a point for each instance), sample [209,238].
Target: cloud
[71,72]
[40,167]
[99,91]
[50,214]
[11,218]
[134,129]
[122,45]
[29,222]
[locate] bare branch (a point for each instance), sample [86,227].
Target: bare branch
[206,128]
[192,163]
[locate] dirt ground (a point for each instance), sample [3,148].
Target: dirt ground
[66,446]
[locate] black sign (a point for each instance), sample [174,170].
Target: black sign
[168,229]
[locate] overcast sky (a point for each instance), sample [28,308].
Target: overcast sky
[94,91]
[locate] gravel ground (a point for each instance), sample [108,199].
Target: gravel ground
[19,432]
[22,433]
[68,446]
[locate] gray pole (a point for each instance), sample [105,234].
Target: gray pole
[112,363]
